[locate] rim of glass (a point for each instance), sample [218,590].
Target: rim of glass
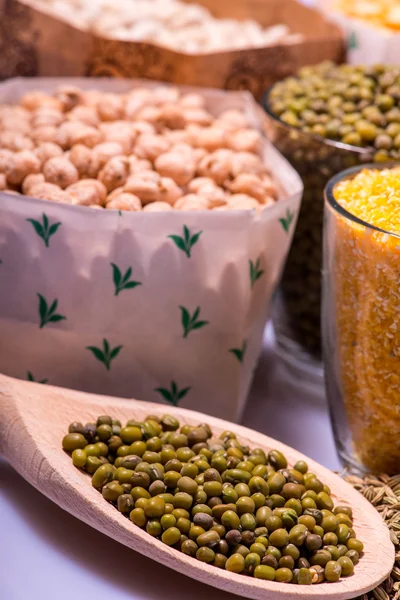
[349,174]
[318,138]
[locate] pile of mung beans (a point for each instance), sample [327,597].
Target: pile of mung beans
[217,500]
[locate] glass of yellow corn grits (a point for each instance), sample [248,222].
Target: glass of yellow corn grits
[361,315]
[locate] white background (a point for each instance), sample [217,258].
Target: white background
[46,553]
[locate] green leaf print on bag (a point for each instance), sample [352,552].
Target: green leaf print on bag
[287,221]
[44,230]
[255,271]
[105,355]
[190,322]
[30,377]
[122,282]
[174,394]
[239,352]
[186,242]
[352,42]
[48,313]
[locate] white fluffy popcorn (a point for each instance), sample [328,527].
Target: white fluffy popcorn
[188,28]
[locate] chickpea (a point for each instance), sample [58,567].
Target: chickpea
[214,194]
[246,140]
[92,98]
[177,167]
[270,187]
[88,192]
[136,100]
[114,173]
[69,96]
[24,163]
[87,163]
[121,133]
[198,182]
[47,117]
[114,194]
[245,162]
[47,150]
[143,127]
[16,125]
[177,136]
[84,114]
[192,100]
[184,149]
[191,202]
[6,160]
[242,202]
[15,141]
[48,133]
[106,150]
[36,99]
[137,165]
[199,154]
[267,201]
[157,207]
[198,116]
[111,107]
[233,119]
[32,181]
[165,95]
[149,175]
[150,146]
[85,134]
[146,190]
[14,112]
[125,201]
[49,191]
[60,171]
[170,192]
[217,165]
[95,206]
[152,114]
[74,132]
[171,116]
[247,183]
[64,133]
[210,138]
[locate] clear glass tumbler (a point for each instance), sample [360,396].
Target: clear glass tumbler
[361,335]
[296,314]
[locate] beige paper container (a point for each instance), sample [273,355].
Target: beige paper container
[366,45]
[35,43]
[190,333]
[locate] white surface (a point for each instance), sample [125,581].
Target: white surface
[45,553]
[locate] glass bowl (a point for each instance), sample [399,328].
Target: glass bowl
[361,335]
[297,313]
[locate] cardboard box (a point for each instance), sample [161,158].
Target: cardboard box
[35,43]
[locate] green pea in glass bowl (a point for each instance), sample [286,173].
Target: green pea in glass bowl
[297,310]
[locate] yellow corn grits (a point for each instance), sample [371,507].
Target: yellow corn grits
[366,281]
[381,13]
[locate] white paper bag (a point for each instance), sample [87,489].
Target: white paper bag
[366,44]
[158,306]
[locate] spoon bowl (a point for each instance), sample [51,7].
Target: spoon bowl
[33,420]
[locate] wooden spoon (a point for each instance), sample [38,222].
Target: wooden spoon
[34,418]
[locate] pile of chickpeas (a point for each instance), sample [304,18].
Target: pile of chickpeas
[154,149]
